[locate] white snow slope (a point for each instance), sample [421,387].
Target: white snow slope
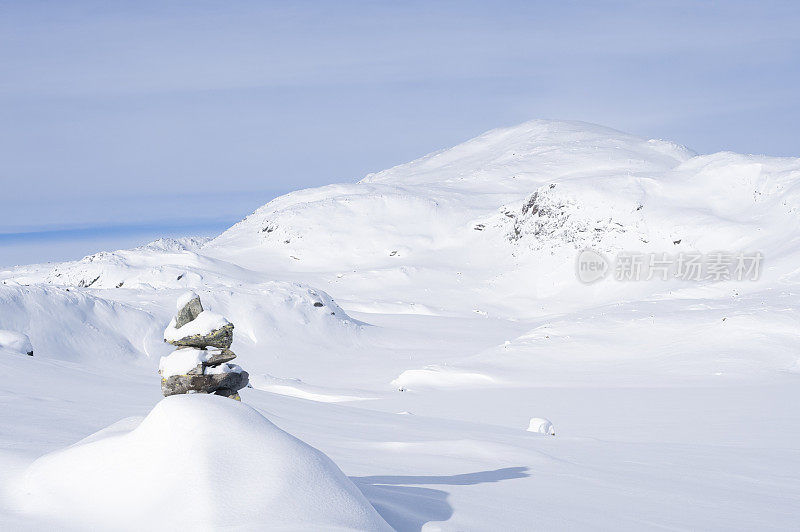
[458,317]
[201,461]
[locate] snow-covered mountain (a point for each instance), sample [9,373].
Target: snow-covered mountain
[453,279]
[515,199]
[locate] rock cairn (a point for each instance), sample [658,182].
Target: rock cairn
[200,364]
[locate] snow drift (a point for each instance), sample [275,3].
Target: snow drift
[77,326]
[15,342]
[196,462]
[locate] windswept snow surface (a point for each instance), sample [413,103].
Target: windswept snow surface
[412,324]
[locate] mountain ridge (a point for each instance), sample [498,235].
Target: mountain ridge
[492,214]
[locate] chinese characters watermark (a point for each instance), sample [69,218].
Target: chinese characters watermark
[592,266]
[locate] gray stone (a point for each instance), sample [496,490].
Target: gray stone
[227,392]
[228,383]
[221,338]
[219,357]
[189,312]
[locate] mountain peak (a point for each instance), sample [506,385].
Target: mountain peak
[538,147]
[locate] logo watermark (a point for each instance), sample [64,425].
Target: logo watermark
[593,266]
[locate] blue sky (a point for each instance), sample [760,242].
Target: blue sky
[121,121]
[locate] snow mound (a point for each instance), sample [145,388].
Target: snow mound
[542,426]
[196,462]
[73,325]
[434,376]
[16,342]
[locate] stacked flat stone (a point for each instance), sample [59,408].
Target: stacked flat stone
[200,364]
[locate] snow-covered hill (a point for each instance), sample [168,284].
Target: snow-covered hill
[513,201]
[539,187]
[445,289]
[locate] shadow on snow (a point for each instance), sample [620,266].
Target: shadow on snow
[407,508]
